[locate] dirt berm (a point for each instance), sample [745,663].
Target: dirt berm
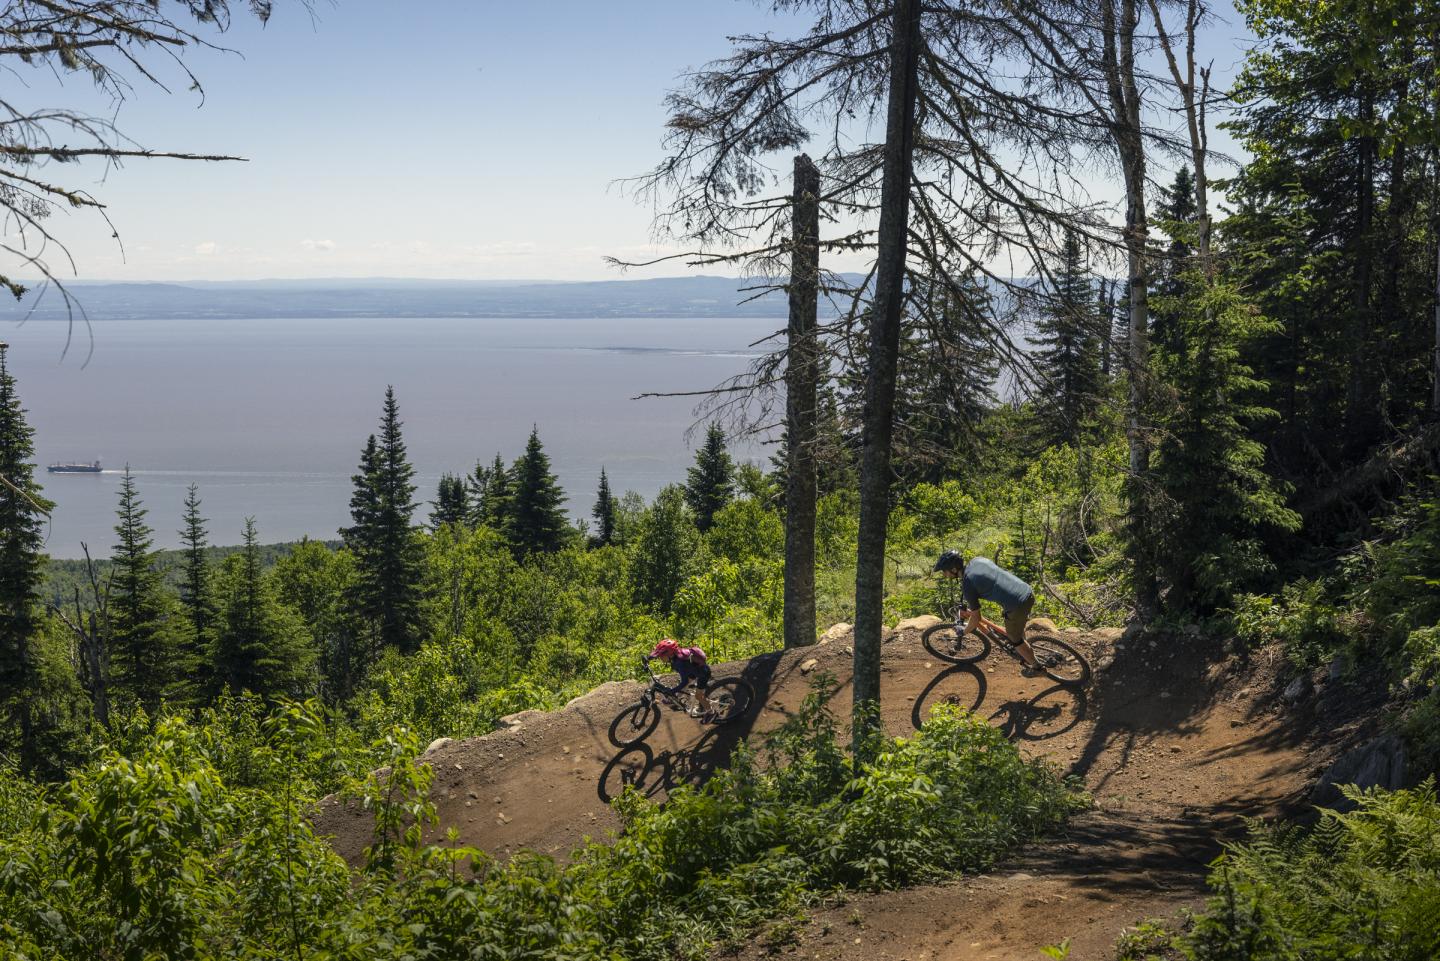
[1177,744]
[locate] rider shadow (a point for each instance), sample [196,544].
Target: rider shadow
[655,774]
[1050,713]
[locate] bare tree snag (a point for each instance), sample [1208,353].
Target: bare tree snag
[884,348]
[802,376]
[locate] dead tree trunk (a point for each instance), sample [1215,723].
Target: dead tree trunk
[802,375]
[1119,66]
[884,350]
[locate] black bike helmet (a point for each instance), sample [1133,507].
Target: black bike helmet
[949,561]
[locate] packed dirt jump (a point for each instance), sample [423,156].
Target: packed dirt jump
[1177,743]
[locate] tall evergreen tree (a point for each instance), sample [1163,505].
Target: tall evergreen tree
[260,645]
[1068,351]
[665,551]
[22,513]
[388,556]
[604,512]
[536,518]
[149,631]
[451,504]
[1175,215]
[197,589]
[490,495]
[710,484]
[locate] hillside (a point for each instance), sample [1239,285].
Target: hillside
[1177,745]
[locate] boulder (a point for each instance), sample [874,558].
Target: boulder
[809,666]
[439,744]
[921,623]
[1339,667]
[1380,763]
[1108,635]
[514,721]
[1042,627]
[835,632]
[1296,690]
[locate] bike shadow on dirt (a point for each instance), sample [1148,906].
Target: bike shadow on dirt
[654,773]
[1052,712]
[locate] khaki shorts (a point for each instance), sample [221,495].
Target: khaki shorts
[1016,619]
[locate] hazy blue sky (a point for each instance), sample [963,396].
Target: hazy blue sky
[424,138]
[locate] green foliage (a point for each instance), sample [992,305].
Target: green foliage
[260,644]
[1068,352]
[386,549]
[1149,941]
[192,843]
[604,513]
[710,484]
[1363,885]
[22,512]
[535,517]
[451,504]
[1304,618]
[148,629]
[668,549]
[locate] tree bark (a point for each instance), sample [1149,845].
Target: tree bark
[1119,65]
[878,422]
[802,375]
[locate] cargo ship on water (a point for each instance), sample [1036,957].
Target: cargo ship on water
[75,468]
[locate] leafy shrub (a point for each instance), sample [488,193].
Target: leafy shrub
[1303,619]
[1362,885]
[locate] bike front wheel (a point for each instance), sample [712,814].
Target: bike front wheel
[729,698]
[944,642]
[635,723]
[1060,662]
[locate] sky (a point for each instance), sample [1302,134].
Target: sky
[465,139]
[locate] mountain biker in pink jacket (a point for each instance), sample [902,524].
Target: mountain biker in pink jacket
[690,664]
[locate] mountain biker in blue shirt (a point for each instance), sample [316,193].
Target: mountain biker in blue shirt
[983,579]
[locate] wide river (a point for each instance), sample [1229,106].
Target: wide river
[268,417]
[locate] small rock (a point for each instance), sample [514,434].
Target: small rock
[497,800]
[1193,630]
[809,666]
[847,650]
[1164,694]
[1296,689]
[566,749]
[474,796]
[835,632]
[1105,663]
[503,818]
[1175,749]
[458,767]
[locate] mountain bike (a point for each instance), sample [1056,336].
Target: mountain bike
[1057,660]
[730,697]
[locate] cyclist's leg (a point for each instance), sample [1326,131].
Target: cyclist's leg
[1015,620]
[702,681]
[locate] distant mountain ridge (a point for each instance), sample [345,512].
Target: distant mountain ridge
[661,297]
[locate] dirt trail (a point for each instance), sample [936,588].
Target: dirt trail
[1176,747]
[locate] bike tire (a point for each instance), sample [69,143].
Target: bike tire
[941,641]
[635,723]
[1060,662]
[730,698]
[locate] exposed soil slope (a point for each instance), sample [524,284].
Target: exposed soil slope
[1177,746]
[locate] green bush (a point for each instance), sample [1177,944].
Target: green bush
[159,854]
[1361,885]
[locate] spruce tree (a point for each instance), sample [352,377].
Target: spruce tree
[604,512]
[149,631]
[22,525]
[1068,352]
[197,589]
[451,504]
[536,518]
[710,484]
[1175,215]
[388,556]
[260,645]
[490,492]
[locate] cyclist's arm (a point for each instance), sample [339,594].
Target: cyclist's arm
[972,623]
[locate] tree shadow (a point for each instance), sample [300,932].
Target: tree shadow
[1050,713]
[963,685]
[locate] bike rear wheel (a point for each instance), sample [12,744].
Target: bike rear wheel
[635,723]
[729,698]
[943,641]
[1060,662]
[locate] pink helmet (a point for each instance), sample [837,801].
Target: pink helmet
[667,648]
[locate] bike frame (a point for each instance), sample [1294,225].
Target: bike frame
[654,692]
[996,632]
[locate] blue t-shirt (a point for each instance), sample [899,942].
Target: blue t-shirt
[985,580]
